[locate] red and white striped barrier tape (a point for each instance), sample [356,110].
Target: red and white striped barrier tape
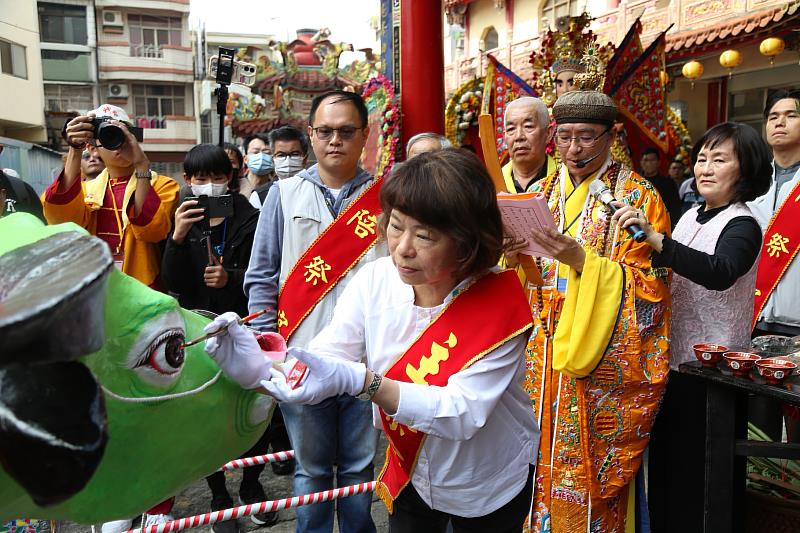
[258,460]
[256,508]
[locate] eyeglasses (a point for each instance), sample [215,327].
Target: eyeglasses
[564,139]
[280,156]
[324,133]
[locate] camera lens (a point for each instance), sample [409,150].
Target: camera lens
[110,136]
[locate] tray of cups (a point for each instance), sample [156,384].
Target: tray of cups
[774,371]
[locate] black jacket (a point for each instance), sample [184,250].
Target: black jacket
[668,190]
[20,196]
[183,265]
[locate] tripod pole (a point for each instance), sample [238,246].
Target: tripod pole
[222,104]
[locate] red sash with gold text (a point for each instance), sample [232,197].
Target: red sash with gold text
[337,249]
[482,317]
[781,243]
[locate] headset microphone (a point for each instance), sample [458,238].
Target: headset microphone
[583,162]
[600,190]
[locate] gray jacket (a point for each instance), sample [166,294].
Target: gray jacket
[296,211]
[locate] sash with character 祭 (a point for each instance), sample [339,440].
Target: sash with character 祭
[482,317]
[779,247]
[337,249]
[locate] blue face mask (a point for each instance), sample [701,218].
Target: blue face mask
[260,164]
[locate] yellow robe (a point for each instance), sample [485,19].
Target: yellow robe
[597,360]
[140,243]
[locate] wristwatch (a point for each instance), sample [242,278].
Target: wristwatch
[372,388]
[143,174]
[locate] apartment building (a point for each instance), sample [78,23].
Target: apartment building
[146,66]
[69,63]
[21,115]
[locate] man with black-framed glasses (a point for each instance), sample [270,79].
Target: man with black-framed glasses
[316,229]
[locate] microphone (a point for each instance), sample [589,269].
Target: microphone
[583,162]
[600,190]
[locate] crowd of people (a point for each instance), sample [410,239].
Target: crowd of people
[509,405]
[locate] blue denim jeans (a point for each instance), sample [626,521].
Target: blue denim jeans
[336,431]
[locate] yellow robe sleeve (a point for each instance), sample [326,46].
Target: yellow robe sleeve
[589,316]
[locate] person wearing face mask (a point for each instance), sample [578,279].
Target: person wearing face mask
[289,150]
[202,281]
[260,169]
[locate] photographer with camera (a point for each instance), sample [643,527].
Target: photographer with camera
[129,206]
[204,263]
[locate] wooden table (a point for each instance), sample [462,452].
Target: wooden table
[727,446]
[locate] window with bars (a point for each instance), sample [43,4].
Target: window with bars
[68,98]
[170,169]
[552,10]
[489,39]
[152,104]
[60,23]
[148,34]
[13,60]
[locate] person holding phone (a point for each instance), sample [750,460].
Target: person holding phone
[209,249]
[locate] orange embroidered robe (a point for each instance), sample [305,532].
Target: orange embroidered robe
[597,360]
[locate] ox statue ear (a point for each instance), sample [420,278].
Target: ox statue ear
[51,408]
[52,299]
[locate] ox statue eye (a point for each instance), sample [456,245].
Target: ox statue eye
[164,354]
[156,356]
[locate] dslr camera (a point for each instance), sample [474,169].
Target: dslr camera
[110,135]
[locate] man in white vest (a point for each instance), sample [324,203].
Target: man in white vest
[781,311]
[777,302]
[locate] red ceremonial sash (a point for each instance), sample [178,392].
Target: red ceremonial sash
[781,243]
[334,252]
[482,317]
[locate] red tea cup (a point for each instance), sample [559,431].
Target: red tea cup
[774,371]
[709,354]
[741,363]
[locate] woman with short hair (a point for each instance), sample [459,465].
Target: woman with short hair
[442,333]
[713,254]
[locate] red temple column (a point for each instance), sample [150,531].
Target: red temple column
[421,67]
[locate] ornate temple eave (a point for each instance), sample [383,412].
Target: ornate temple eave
[709,39]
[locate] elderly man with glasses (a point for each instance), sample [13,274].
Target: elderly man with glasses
[598,361]
[316,229]
[527,130]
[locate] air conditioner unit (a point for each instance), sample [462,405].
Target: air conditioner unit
[118,90]
[112,19]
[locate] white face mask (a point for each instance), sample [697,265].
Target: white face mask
[209,189]
[288,166]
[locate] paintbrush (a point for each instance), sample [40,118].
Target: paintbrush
[220,331]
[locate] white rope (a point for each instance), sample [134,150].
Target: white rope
[175,396]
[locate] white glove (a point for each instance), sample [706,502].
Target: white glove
[236,352]
[326,377]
